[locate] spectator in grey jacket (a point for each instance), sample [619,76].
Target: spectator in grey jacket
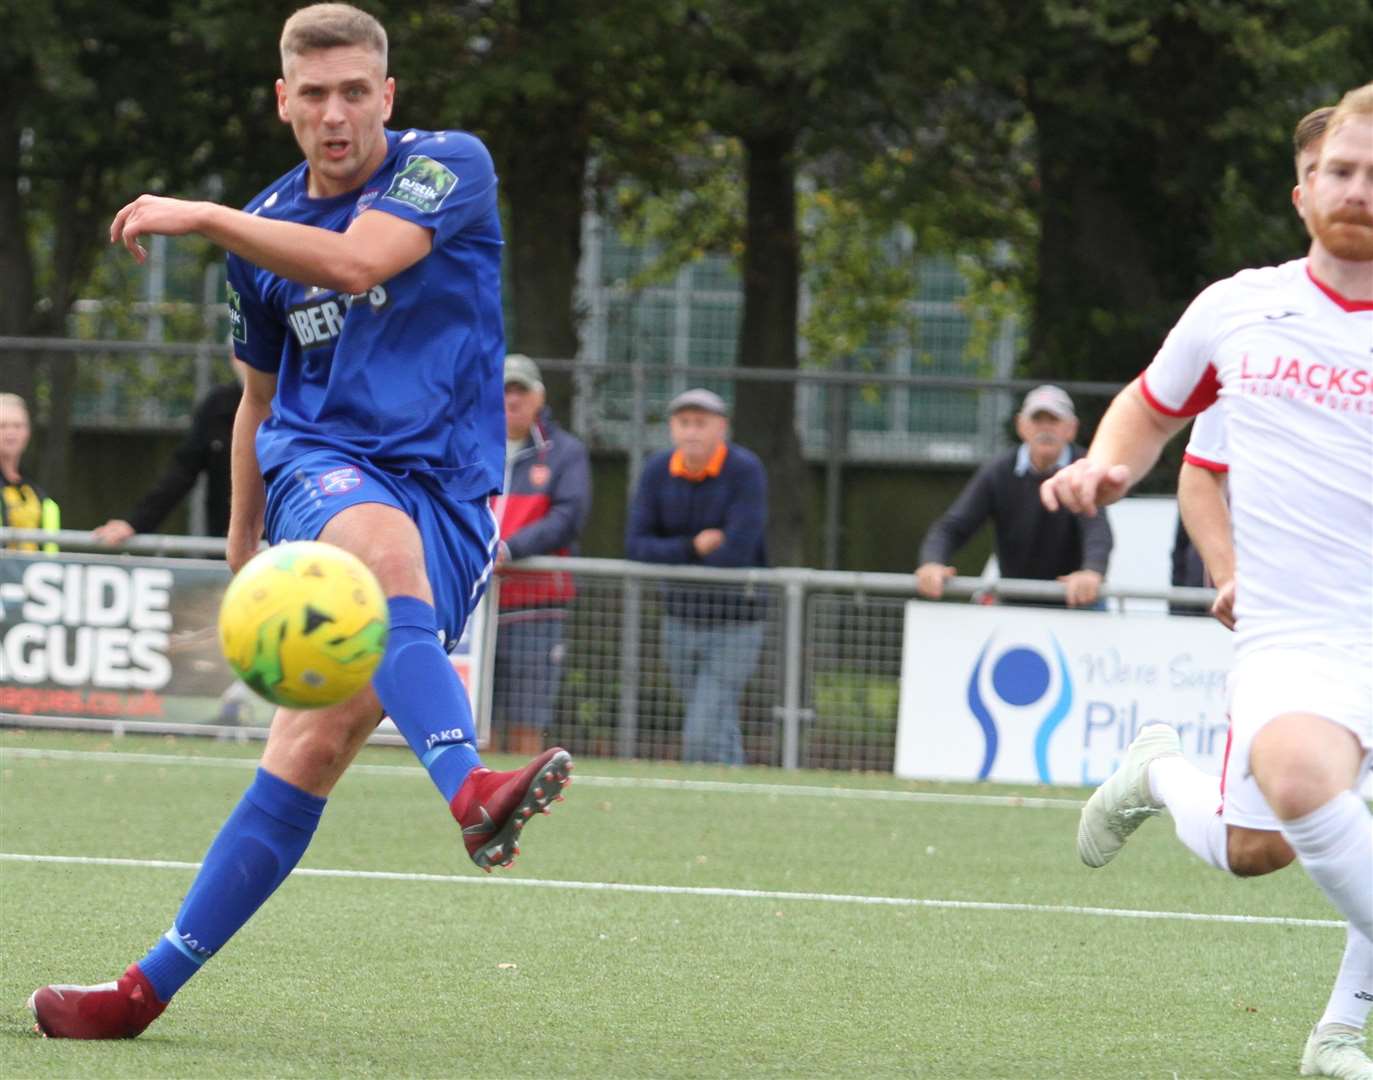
[1031,542]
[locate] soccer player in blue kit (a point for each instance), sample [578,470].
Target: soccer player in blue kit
[364,291]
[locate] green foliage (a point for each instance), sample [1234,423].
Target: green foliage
[856,703]
[705,215]
[1163,137]
[1098,160]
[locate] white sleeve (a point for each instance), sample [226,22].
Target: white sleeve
[1181,380]
[1206,442]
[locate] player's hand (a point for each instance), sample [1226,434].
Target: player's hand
[1223,606]
[1082,587]
[1083,486]
[154,214]
[930,578]
[707,540]
[115,531]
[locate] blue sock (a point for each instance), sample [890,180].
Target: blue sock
[258,846]
[424,696]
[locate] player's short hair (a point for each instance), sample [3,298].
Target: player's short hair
[13,401]
[1357,103]
[1310,129]
[331,26]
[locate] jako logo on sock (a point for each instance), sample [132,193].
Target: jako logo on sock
[449,735]
[195,946]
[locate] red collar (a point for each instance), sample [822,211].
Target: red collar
[1343,301]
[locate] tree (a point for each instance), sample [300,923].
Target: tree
[92,129]
[836,92]
[1164,149]
[563,93]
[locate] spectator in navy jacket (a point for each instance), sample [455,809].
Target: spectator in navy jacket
[1031,542]
[547,495]
[704,503]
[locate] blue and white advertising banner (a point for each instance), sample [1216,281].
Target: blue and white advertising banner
[1053,696]
[1043,695]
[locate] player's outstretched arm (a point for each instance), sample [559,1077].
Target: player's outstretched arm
[1127,443]
[248,497]
[375,248]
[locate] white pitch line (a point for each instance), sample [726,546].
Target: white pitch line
[1030,802]
[687,890]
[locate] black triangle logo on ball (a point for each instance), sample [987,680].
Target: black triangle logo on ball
[314,619]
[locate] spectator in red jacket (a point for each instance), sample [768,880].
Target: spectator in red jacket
[547,495]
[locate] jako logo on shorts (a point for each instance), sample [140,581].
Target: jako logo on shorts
[1024,686]
[339,481]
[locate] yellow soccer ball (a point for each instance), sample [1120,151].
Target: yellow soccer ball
[304,624]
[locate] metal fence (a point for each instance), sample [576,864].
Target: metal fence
[822,690]
[961,420]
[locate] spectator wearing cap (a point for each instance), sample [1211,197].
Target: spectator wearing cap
[1031,542]
[704,503]
[545,501]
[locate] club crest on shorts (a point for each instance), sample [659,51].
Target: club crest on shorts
[340,481]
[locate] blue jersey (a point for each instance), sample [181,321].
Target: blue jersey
[406,376]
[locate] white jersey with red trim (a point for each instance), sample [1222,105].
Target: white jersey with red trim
[1292,362]
[1206,440]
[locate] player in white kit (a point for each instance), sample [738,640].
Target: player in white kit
[1289,352]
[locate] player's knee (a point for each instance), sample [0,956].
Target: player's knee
[1253,854]
[399,570]
[1295,792]
[312,749]
[1301,762]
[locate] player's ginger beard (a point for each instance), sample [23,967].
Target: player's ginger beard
[1346,234]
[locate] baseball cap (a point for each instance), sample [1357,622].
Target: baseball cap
[520,369]
[1049,399]
[699,398]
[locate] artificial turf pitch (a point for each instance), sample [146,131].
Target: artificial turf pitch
[666,921]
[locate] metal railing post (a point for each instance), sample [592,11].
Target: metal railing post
[638,420]
[792,660]
[834,471]
[627,731]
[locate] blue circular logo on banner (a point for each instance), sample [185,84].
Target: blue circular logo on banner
[1020,676]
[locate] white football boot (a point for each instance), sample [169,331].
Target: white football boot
[1337,1051]
[1120,805]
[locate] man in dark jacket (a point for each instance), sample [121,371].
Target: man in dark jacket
[704,503]
[205,449]
[547,496]
[1031,542]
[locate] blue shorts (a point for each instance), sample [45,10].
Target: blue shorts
[459,535]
